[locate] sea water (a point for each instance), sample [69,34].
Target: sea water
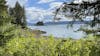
[60,30]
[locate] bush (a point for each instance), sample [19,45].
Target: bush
[50,47]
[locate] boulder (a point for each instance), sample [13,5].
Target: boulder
[40,23]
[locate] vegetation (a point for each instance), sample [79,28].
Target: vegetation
[18,12]
[18,41]
[6,28]
[9,30]
[80,11]
[51,47]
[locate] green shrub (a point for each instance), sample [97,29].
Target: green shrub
[50,47]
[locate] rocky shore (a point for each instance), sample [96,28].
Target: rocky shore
[38,33]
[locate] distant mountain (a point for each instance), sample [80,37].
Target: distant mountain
[60,22]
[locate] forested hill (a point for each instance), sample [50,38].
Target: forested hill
[60,22]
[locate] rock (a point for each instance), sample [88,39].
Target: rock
[40,23]
[39,32]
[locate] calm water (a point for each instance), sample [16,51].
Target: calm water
[59,30]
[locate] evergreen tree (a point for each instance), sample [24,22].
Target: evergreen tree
[19,13]
[6,27]
[80,11]
[23,18]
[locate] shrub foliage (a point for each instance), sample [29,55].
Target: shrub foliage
[50,47]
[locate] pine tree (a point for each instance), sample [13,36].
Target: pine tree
[19,13]
[23,18]
[79,11]
[6,27]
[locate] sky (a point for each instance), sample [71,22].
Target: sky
[43,10]
[40,9]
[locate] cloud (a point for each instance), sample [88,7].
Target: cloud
[54,5]
[40,14]
[11,3]
[37,14]
[45,1]
[34,13]
[80,1]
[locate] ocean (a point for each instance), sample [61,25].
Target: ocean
[59,29]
